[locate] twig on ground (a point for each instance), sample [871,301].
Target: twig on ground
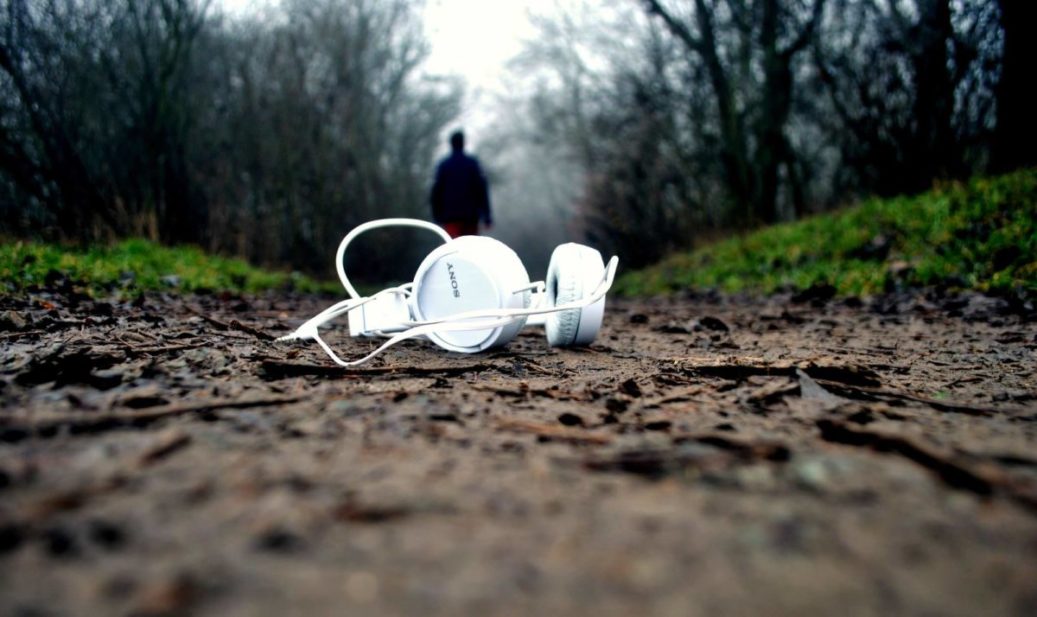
[976,478]
[234,324]
[276,369]
[550,431]
[868,393]
[99,423]
[137,351]
[13,335]
[749,449]
[163,445]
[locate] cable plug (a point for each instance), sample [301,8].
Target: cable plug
[305,332]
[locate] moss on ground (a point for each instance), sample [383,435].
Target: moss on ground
[979,235]
[136,265]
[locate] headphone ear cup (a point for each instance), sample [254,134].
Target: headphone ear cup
[574,271]
[470,273]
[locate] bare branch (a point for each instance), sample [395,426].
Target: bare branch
[807,33]
[677,28]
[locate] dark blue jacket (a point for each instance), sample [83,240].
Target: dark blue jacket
[459,192]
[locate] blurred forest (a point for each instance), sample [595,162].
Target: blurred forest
[640,126]
[686,119]
[265,137]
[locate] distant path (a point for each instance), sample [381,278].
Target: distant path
[708,455]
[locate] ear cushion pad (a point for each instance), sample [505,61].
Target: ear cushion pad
[574,271]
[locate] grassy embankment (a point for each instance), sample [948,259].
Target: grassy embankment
[135,265]
[978,235]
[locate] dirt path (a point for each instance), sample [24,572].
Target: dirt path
[707,456]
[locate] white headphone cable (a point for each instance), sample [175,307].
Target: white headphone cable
[408,334]
[308,329]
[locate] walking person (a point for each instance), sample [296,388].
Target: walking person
[460,198]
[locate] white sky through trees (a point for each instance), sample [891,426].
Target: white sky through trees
[473,39]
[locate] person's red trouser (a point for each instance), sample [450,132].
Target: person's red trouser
[462,228]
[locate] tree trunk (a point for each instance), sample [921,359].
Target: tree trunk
[775,102]
[1015,138]
[935,152]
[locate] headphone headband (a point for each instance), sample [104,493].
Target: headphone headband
[340,254]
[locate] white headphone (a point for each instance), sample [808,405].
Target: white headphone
[473,293]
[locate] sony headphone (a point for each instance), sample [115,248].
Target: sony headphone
[472,293]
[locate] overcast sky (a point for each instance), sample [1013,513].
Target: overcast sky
[471,38]
[475,39]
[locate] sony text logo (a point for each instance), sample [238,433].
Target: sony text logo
[453,280]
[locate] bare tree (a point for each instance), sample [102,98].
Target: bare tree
[609,133]
[42,144]
[911,89]
[335,126]
[749,50]
[96,116]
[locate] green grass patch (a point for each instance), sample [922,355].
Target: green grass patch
[135,265]
[979,235]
